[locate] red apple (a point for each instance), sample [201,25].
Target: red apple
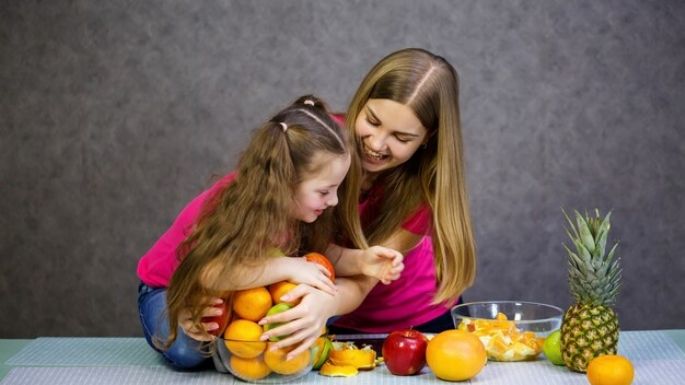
[222,319]
[404,352]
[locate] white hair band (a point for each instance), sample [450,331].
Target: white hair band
[283,126]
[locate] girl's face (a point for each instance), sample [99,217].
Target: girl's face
[319,191]
[390,134]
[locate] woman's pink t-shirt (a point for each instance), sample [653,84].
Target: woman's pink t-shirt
[157,266]
[407,301]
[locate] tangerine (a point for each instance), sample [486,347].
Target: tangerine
[249,369]
[275,359]
[242,338]
[323,261]
[279,289]
[252,304]
[610,370]
[455,355]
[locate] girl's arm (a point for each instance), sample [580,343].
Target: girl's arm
[305,322]
[275,269]
[379,262]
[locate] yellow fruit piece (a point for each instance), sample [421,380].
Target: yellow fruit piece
[331,370]
[252,304]
[242,338]
[610,370]
[279,289]
[249,369]
[455,355]
[503,340]
[275,359]
[348,354]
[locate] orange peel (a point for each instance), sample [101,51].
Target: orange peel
[331,370]
[348,354]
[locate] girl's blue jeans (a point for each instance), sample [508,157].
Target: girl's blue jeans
[184,353]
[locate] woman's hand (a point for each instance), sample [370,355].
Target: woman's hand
[299,270]
[201,332]
[382,263]
[303,323]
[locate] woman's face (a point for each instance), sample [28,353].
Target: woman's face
[390,134]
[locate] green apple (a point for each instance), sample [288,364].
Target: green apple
[552,348]
[321,348]
[278,308]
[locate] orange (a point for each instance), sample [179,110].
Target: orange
[610,370]
[279,289]
[275,360]
[331,370]
[455,355]
[323,261]
[348,354]
[252,304]
[242,338]
[249,369]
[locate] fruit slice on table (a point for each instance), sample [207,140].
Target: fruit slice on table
[323,261]
[278,308]
[455,355]
[331,370]
[242,338]
[275,359]
[321,349]
[279,289]
[610,370]
[249,369]
[348,354]
[252,304]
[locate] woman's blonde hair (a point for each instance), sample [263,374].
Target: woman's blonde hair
[239,226]
[428,85]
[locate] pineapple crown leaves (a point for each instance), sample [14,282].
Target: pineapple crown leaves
[594,276]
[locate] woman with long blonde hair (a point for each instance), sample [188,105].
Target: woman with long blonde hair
[411,190]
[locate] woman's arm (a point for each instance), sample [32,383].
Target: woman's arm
[379,262]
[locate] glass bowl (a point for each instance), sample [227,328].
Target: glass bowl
[509,330]
[253,361]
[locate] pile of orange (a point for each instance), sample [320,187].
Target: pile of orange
[252,359]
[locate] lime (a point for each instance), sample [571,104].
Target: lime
[278,308]
[552,348]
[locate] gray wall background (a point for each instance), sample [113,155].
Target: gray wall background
[114,114]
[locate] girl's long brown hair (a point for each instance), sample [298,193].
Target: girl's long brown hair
[240,225]
[435,175]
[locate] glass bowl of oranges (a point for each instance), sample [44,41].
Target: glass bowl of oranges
[509,330]
[255,361]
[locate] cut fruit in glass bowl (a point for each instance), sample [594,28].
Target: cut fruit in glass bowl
[509,330]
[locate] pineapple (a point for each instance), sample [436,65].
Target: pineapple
[590,326]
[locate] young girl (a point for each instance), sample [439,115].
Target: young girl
[224,239]
[404,119]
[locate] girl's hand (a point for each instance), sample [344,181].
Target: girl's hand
[312,274]
[303,323]
[201,332]
[382,263]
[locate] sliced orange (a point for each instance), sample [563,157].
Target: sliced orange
[348,354]
[331,370]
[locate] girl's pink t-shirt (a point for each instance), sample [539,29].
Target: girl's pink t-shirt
[407,301]
[157,266]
